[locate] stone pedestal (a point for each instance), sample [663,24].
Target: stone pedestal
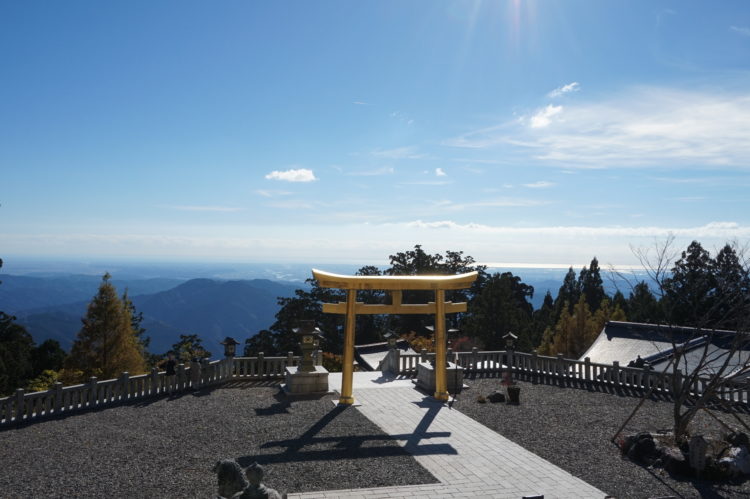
[306,383]
[426,377]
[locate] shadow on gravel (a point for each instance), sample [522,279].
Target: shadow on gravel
[311,447]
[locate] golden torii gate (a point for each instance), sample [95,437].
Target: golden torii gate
[394,284]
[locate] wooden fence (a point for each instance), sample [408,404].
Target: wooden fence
[59,400]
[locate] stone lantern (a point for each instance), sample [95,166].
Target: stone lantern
[510,341]
[306,378]
[230,346]
[309,337]
[391,337]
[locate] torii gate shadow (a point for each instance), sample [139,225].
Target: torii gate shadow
[351,447]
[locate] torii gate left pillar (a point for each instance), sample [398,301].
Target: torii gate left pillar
[394,284]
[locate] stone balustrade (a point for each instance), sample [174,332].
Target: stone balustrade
[25,406]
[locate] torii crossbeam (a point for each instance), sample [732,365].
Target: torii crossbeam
[394,284]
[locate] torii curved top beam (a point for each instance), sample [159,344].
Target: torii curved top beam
[394,282]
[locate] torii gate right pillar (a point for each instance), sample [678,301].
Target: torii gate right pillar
[441,381]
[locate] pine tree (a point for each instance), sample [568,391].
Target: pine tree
[591,285]
[643,305]
[106,345]
[689,292]
[569,293]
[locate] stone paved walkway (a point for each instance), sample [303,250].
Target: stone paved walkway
[468,459]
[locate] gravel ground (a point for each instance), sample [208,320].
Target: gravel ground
[572,428]
[166,447]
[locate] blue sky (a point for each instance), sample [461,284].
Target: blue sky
[541,132]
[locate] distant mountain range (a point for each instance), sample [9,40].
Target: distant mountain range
[213,309]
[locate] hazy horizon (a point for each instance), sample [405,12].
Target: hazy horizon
[538,132]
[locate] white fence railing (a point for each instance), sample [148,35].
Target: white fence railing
[59,400]
[558,368]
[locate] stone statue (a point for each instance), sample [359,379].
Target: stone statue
[232,483]
[231,477]
[257,490]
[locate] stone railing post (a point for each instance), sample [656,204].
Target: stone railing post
[124,388]
[58,387]
[676,382]
[20,409]
[559,365]
[474,358]
[289,359]
[92,391]
[261,364]
[587,369]
[195,374]
[181,377]
[616,372]
[423,355]
[396,367]
[154,381]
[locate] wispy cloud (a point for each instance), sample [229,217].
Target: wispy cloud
[293,175]
[727,230]
[494,203]
[361,103]
[204,208]
[269,193]
[409,152]
[386,170]
[539,185]
[646,126]
[439,172]
[543,117]
[427,182]
[742,30]
[565,89]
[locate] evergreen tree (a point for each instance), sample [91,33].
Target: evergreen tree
[619,300]
[643,305]
[732,293]
[48,356]
[264,341]
[542,319]
[188,347]
[136,322]
[569,293]
[106,345]
[591,285]
[501,306]
[16,350]
[689,292]
[575,332]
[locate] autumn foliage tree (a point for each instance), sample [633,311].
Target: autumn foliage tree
[106,345]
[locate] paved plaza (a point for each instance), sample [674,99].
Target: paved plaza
[468,459]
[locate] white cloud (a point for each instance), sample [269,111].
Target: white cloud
[742,30]
[539,185]
[204,208]
[298,175]
[565,89]
[440,173]
[360,103]
[543,117]
[399,153]
[645,126]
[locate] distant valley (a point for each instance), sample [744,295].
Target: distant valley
[52,307]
